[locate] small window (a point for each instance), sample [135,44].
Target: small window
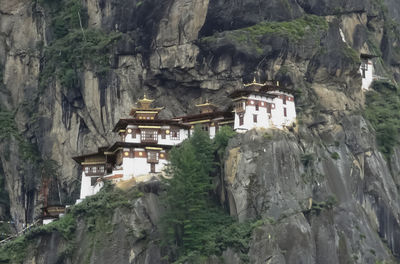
[152,157]
[284,99]
[101,169]
[241,120]
[204,128]
[255,118]
[86,169]
[175,134]
[257,107]
[93,180]
[94,169]
[269,108]
[163,134]
[284,112]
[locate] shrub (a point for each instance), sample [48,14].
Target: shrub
[194,226]
[307,159]
[382,111]
[335,156]
[295,30]
[74,44]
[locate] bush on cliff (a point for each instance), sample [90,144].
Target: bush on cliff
[194,226]
[383,112]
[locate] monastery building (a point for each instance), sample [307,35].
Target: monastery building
[145,139]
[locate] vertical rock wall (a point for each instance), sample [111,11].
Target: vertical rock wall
[180,51]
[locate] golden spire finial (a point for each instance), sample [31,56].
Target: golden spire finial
[254,79]
[145,102]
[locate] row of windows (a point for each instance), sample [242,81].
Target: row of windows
[152,135]
[94,169]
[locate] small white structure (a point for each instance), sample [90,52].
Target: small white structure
[367,70]
[263,105]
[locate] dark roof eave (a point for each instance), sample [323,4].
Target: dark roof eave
[367,56]
[123,123]
[211,115]
[130,145]
[239,93]
[80,159]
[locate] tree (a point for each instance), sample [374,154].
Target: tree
[188,190]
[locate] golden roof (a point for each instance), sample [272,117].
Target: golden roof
[255,83]
[144,107]
[145,102]
[207,103]
[206,107]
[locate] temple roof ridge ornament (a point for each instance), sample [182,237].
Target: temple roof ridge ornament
[206,107]
[207,103]
[253,83]
[145,102]
[143,106]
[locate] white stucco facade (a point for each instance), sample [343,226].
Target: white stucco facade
[86,186]
[257,111]
[367,73]
[284,111]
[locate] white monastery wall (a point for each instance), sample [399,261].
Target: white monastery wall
[86,188]
[369,73]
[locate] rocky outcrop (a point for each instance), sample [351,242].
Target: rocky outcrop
[315,197]
[128,235]
[180,51]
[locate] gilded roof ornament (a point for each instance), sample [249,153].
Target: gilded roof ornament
[145,102]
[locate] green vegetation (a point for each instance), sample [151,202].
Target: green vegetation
[318,207]
[96,211]
[295,30]
[5,227]
[335,156]
[74,44]
[194,226]
[66,56]
[8,129]
[351,54]
[307,159]
[7,125]
[382,111]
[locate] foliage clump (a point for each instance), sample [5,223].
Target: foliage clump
[318,207]
[335,156]
[96,211]
[7,125]
[73,44]
[383,112]
[194,226]
[294,30]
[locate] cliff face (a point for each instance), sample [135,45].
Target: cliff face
[179,51]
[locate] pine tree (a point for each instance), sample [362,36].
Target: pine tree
[193,221]
[187,192]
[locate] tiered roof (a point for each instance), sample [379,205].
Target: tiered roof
[144,111]
[259,89]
